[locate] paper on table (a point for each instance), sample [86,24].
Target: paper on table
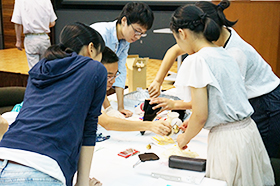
[160,169]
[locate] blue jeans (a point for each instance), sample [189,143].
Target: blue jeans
[13,174]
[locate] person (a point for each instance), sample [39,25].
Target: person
[110,61]
[132,23]
[262,85]
[3,126]
[211,81]
[34,19]
[161,127]
[54,133]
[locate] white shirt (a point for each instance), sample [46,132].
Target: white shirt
[37,161]
[258,75]
[214,68]
[34,15]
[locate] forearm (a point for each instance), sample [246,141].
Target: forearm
[194,127]
[167,62]
[84,165]
[106,103]
[117,124]
[200,112]
[120,94]
[181,105]
[18,30]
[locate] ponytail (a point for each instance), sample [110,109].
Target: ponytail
[216,12]
[57,52]
[193,18]
[72,38]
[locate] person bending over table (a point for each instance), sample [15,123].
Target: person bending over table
[54,134]
[210,80]
[110,61]
[161,127]
[132,23]
[261,84]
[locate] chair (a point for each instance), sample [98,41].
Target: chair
[9,97]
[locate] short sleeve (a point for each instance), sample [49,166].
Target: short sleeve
[194,72]
[16,17]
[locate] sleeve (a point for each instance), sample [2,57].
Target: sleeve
[194,72]
[16,17]
[120,80]
[52,14]
[90,128]
[99,27]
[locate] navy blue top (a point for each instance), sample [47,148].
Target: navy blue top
[62,102]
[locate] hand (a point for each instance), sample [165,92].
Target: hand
[182,142]
[94,182]
[18,45]
[126,113]
[154,89]
[161,127]
[184,125]
[113,113]
[164,103]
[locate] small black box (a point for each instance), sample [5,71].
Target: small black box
[180,162]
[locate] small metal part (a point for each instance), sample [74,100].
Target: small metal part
[176,129]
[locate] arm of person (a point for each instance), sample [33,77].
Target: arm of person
[84,165]
[18,30]
[120,94]
[198,117]
[52,24]
[167,62]
[116,124]
[106,102]
[4,125]
[167,104]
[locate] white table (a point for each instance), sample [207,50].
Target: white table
[171,75]
[113,170]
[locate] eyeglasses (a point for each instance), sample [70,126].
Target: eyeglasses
[110,78]
[137,33]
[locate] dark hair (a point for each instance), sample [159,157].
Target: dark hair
[72,38]
[216,12]
[108,56]
[193,18]
[139,13]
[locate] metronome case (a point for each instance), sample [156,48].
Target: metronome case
[187,163]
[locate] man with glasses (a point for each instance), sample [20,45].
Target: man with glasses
[132,24]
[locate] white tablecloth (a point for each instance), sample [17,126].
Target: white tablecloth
[114,170]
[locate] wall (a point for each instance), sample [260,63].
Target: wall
[8,27]
[153,45]
[258,24]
